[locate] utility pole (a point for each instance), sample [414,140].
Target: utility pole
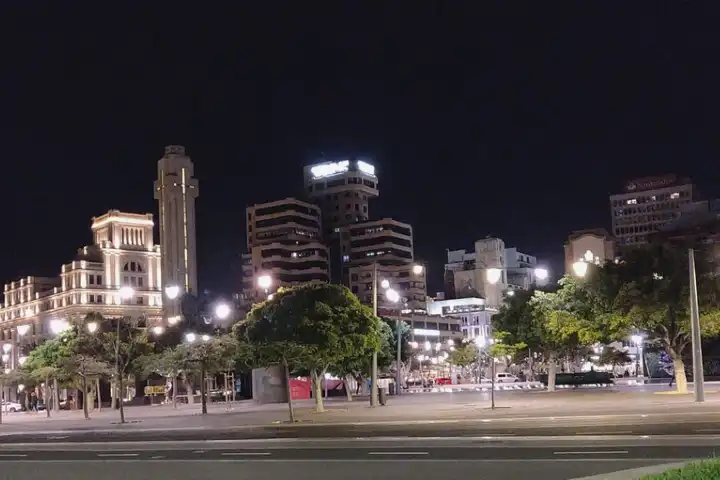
[374,368]
[698,376]
[398,373]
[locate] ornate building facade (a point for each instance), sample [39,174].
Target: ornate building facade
[122,254]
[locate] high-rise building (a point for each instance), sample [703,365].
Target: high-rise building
[284,240]
[122,254]
[646,205]
[343,190]
[176,191]
[388,244]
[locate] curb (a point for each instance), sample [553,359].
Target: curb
[634,473]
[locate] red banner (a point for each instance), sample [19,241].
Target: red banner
[300,389]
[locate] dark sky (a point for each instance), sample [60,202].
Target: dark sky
[515,120]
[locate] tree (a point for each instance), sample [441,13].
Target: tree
[169,363]
[613,357]
[117,343]
[466,353]
[557,323]
[46,363]
[312,327]
[649,290]
[207,355]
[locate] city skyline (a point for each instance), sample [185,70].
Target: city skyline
[468,143]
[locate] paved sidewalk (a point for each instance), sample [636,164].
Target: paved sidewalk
[453,407]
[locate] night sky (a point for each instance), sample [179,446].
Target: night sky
[514,121]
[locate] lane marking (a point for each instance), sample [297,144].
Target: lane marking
[708,430]
[592,452]
[199,451]
[58,438]
[157,457]
[397,453]
[10,455]
[118,454]
[622,432]
[245,454]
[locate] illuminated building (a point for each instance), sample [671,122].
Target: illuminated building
[389,244]
[592,246]
[475,318]
[470,274]
[176,191]
[646,205]
[122,254]
[284,242]
[342,189]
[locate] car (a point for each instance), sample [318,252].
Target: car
[505,378]
[11,407]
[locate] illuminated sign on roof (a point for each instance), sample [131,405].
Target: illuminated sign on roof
[329,169]
[366,168]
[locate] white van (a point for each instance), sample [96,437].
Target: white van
[505,378]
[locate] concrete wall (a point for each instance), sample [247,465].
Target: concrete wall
[268,385]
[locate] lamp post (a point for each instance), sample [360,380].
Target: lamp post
[637,340]
[580,268]
[394,297]
[126,293]
[698,375]
[172,292]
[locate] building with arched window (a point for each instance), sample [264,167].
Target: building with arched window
[122,254]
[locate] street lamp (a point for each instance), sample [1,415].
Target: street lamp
[92,327]
[222,311]
[126,292]
[580,268]
[418,269]
[58,325]
[22,329]
[394,297]
[493,275]
[205,338]
[385,283]
[172,292]
[264,282]
[541,273]
[637,340]
[158,329]
[190,337]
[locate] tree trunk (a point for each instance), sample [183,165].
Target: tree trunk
[174,391]
[288,387]
[552,371]
[85,398]
[317,392]
[2,392]
[189,390]
[113,393]
[120,399]
[56,396]
[346,384]
[680,377]
[99,395]
[46,394]
[203,390]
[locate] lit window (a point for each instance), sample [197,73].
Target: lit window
[632,201]
[675,195]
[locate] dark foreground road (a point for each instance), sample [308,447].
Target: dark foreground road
[330,459]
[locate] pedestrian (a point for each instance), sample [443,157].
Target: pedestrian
[33,402]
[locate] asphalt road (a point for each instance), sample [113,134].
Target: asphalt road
[671,423]
[352,459]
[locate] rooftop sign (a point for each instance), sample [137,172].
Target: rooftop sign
[329,169]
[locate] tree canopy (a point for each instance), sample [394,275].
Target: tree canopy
[311,326]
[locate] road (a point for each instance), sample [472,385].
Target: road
[493,458]
[703,422]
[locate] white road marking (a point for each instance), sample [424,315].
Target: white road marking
[58,438]
[592,452]
[245,454]
[13,455]
[118,454]
[199,451]
[397,453]
[157,457]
